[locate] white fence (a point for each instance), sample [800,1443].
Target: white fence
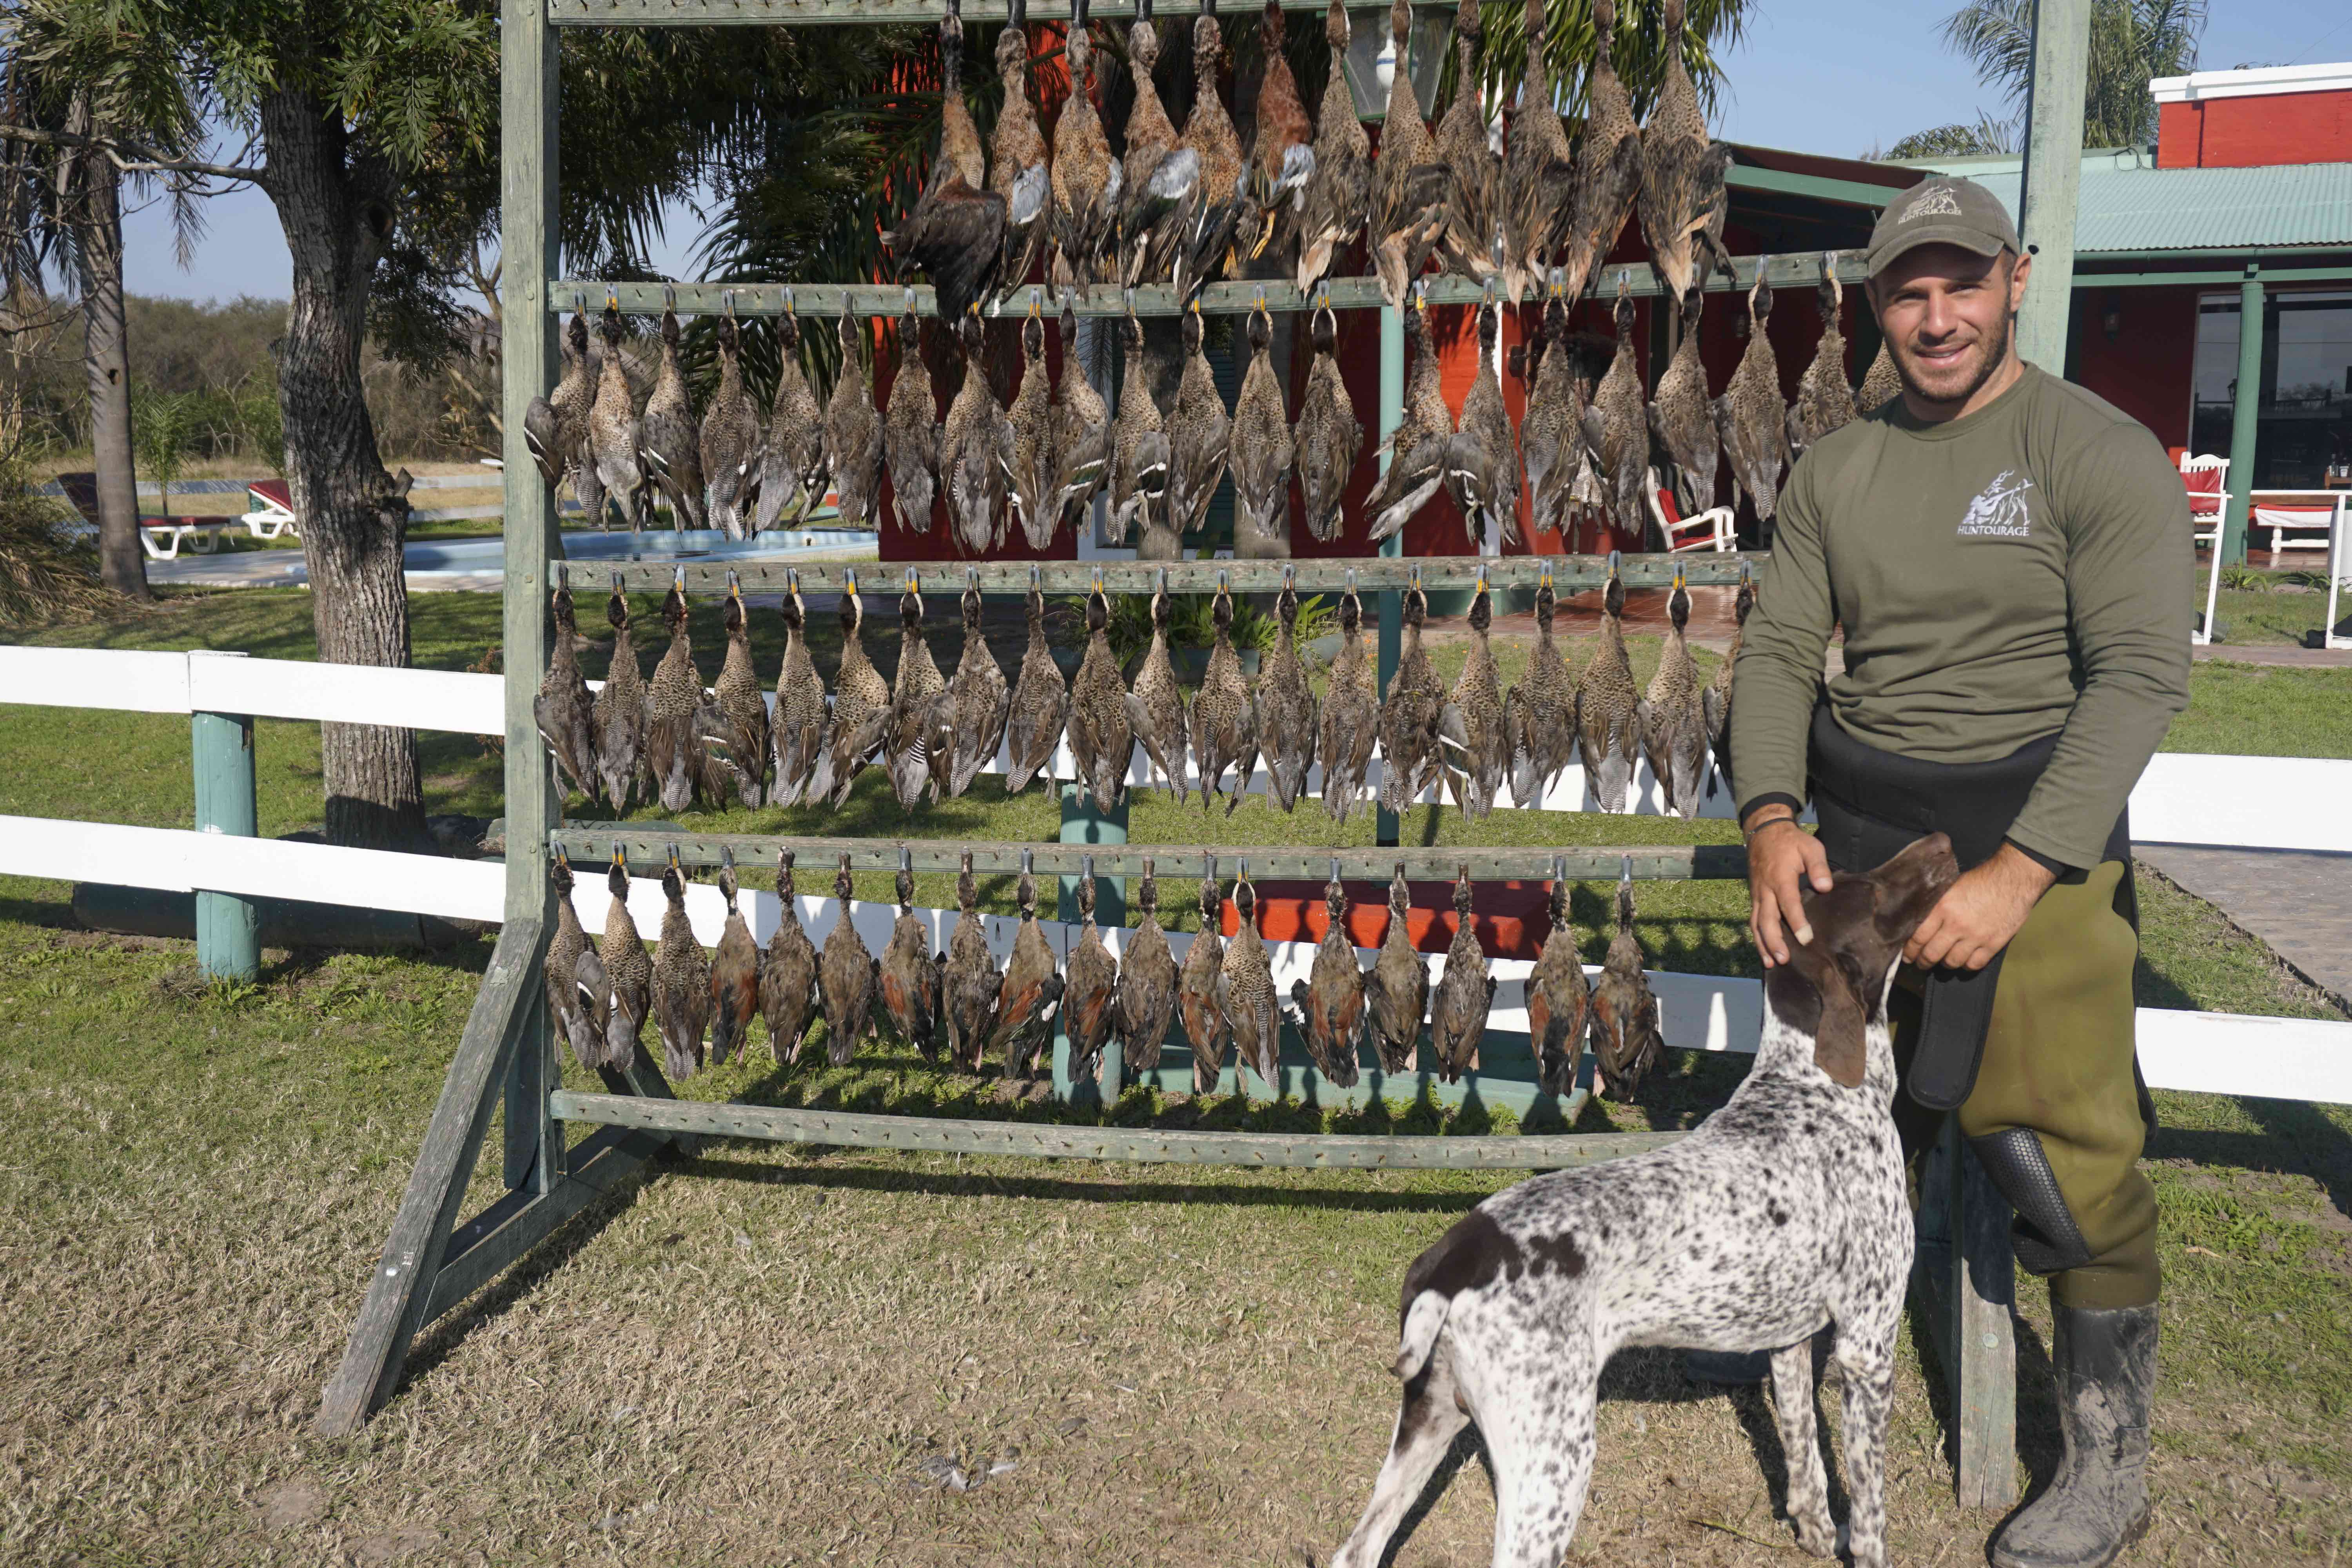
[2182,798]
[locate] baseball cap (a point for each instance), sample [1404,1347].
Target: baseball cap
[1946,210]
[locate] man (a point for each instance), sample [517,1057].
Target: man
[2011,560]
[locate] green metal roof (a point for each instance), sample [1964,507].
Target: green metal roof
[2205,209]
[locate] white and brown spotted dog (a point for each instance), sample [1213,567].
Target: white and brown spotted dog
[1783,1212]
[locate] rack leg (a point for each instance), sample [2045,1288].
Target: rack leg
[1967,1276]
[1087,825]
[1391,602]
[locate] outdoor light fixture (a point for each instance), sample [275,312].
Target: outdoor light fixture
[1370,65]
[2111,315]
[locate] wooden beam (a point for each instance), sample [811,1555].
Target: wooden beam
[946,579]
[1964,1276]
[1140,1144]
[2051,182]
[499,1235]
[820,13]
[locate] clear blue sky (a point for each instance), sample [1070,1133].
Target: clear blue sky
[1806,78]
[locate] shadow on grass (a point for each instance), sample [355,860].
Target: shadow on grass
[2296,1139]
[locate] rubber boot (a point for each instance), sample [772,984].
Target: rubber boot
[2104,1365]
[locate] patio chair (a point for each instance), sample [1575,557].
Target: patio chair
[160,537]
[273,509]
[2207,479]
[1712,528]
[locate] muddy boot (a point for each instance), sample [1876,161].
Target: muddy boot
[2105,1365]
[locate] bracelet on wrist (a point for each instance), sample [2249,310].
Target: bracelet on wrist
[1747,835]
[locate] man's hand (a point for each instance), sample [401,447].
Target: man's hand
[1781,857]
[1977,914]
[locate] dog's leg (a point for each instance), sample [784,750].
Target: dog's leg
[1542,1447]
[1867,1358]
[1425,1428]
[1809,1487]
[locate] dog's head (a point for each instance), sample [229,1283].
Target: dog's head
[1833,987]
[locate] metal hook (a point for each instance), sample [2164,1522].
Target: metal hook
[1258,301]
[1352,582]
[1036,308]
[1559,867]
[1029,861]
[906,858]
[1098,583]
[1036,579]
[1086,867]
[1624,281]
[563,575]
[1613,566]
[734,583]
[669,296]
[1626,871]
[788,300]
[971,577]
[1415,584]
[1482,576]
[673,857]
[1559,281]
[612,300]
[913,585]
[1543,574]
[910,299]
[727,300]
[1289,577]
[792,581]
[677,577]
[1224,580]
[1129,295]
[1161,584]
[849,580]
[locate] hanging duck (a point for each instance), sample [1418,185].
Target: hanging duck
[1560,999]
[1282,152]
[1146,1001]
[1351,711]
[1336,200]
[1539,715]
[1417,449]
[1750,415]
[975,450]
[1683,199]
[956,232]
[847,978]
[731,727]
[1466,992]
[579,995]
[1617,430]
[1245,991]
[1040,704]
[1139,456]
[1155,707]
[619,714]
[861,707]
[681,982]
[1033,476]
[668,438]
[1625,1038]
[1286,705]
[1089,985]
[1609,729]
[1331,1002]
[1682,418]
[552,425]
[1225,714]
[1482,462]
[566,715]
[788,979]
[969,985]
[1199,434]
[673,754]
[907,978]
[1396,988]
[797,728]
[906,730]
[1196,987]
[792,464]
[1479,699]
[734,972]
[1551,430]
[1259,452]
[1473,217]
[1081,435]
[1413,187]
[910,431]
[730,440]
[1160,174]
[967,722]
[1102,737]
[612,429]
[853,433]
[1087,178]
[1608,164]
[1717,696]
[1019,161]
[1212,215]
[1539,170]
[1824,400]
[1417,721]
[628,973]
[1030,994]
[1327,436]
[1673,717]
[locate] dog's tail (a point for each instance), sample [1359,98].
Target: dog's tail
[1423,1322]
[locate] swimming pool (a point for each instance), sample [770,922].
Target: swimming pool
[478,563]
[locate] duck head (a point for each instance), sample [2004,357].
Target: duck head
[793,610]
[972,605]
[1261,331]
[972,340]
[852,608]
[1400,893]
[674,611]
[1547,600]
[784,877]
[1335,896]
[1147,890]
[1559,899]
[559,871]
[1097,613]
[910,607]
[1220,609]
[1245,901]
[1604,24]
[788,335]
[1678,603]
[618,879]
[576,334]
[1286,603]
[967,886]
[1192,330]
[1351,612]
[1208,46]
[843,886]
[1400,26]
[1334,25]
[616,608]
[1461,891]
[1612,598]
[1164,608]
[672,879]
[906,889]
[1760,301]
[1482,609]
[1467,30]
[1416,606]
[848,331]
[611,328]
[731,614]
[729,338]
[1323,330]
[1694,306]
[1033,340]
[559,604]
[728,886]
[1623,314]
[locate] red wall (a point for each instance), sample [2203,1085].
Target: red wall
[2145,370]
[2244,132]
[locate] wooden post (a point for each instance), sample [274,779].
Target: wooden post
[2053,176]
[1965,1274]
[229,928]
[1391,602]
[2245,419]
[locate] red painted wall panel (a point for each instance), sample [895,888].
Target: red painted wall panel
[2248,133]
[2145,370]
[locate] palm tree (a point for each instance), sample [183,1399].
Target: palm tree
[2132,42]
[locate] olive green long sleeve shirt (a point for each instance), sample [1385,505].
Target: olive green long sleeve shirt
[2026,569]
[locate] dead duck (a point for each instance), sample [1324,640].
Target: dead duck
[1039,708]
[1474,219]
[1673,717]
[1286,705]
[1750,415]
[1413,187]
[1881,384]
[1479,698]
[1538,169]
[792,464]
[730,439]
[1617,431]
[1625,1038]
[955,234]
[1245,991]
[849,978]
[613,427]
[1089,985]
[681,985]
[1081,440]
[1139,464]
[788,978]
[1681,200]
[1466,992]
[1607,720]
[1087,176]
[853,433]
[1417,719]
[1102,736]
[1608,165]
[1336,197]
[1396,987]
[619,712]
[570,403]
[1259,452]
[732,727]
[1196,987]
[1282,151]
[1482,462]
[861,707]
[1682,419]
[565,712]
[734,972]
[1539,715]
[969,985]
[1327,436]
[1199,434]
[975,450]
[1417,449]
[1717,698]
[1351,711]
[797,727]
[1224,712]
[1030,992]
[1213,216]
[1155,707]
[1824,399]
[1331,1001]
[1558,997]
[1032,481]
[916,690]
[673,753]
[910,431]
[1148,979]
[908,976]
[1161,172]
[1552,429]
[1019,161]
[628,973]
[967,720]
[669,437]
[544,428]
[577,1006]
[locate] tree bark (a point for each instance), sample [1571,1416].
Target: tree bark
[335,201]
[98,256]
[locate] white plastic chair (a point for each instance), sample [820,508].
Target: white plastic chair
[2209,504]
[1714,527]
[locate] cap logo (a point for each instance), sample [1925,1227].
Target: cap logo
[1936,200]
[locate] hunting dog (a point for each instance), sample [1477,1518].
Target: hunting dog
[1783,1212]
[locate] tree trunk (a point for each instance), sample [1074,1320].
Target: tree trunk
[98,255]
[334,205]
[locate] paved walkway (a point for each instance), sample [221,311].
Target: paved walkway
[2298,903]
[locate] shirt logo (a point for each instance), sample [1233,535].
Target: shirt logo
[1936,200]
[2000,510]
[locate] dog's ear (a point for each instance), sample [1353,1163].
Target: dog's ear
[1818,993]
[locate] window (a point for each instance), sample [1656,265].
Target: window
[2304,428]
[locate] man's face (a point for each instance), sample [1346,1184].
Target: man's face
[1946,312]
